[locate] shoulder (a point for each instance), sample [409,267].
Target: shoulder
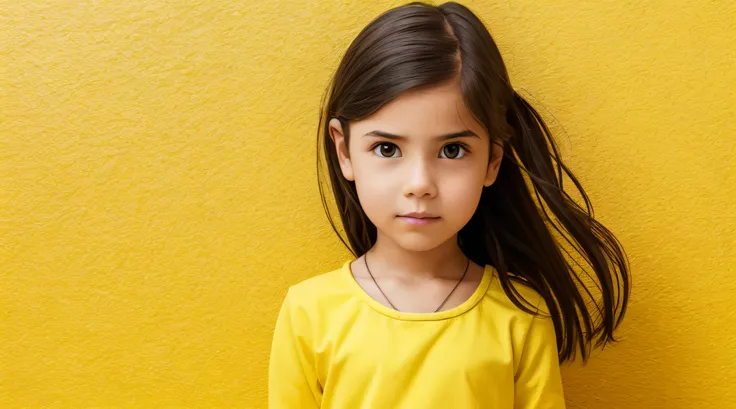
[525,293]
[319,291]
[516,319]
[320,304]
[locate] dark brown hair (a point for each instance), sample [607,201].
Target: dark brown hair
[420,45]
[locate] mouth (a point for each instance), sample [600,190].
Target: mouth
[418,218]
[419,215]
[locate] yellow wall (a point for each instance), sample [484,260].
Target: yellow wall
[158,188]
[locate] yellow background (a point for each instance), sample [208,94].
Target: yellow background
[159,194]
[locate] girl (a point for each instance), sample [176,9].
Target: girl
[464,293]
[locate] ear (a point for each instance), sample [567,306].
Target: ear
[495,164]
[343,155]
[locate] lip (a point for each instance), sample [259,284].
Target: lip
[421,218]
[419,215]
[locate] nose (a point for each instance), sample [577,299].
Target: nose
[420,181]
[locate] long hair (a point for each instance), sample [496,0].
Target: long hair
[514,227]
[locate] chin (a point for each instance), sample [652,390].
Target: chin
[417,242]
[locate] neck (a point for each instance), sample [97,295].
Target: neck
[388,258]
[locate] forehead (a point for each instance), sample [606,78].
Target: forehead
[423,113]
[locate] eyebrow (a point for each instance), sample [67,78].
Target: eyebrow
[453,135]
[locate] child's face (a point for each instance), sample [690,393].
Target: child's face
[420,171]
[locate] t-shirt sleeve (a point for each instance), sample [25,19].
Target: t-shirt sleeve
[538,383]
[292,378]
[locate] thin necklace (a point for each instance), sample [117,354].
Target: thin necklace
[365,259]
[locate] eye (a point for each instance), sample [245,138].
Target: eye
[452,151]
[387,150]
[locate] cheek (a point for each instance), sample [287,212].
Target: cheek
[376,193]
[460,196]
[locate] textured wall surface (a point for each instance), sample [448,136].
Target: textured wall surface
[158,188]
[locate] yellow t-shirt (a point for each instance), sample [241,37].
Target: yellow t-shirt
[336,347]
